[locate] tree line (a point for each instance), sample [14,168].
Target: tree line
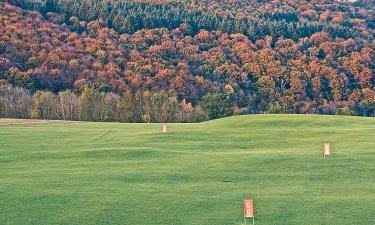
[92,105]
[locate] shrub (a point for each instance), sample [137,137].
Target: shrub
[345,111]
[276,108]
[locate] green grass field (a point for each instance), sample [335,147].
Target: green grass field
[195,174]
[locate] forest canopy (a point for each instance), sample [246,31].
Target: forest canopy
[221,57]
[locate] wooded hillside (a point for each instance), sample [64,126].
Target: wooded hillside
[221,57]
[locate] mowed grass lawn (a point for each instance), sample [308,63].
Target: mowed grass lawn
[195,174]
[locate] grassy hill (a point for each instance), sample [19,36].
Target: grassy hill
[61,173]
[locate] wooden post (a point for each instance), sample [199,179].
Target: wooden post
[326,150]
[164,128]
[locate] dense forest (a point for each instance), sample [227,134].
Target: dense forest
[185,61]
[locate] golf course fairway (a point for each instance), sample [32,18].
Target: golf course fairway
[113,173]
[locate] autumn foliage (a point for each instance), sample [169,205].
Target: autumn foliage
[243,71]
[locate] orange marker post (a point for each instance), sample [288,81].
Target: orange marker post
[248,209]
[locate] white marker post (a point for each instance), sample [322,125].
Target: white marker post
[164,128]
[326,150]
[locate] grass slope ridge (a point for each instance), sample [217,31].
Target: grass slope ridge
[195,174]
